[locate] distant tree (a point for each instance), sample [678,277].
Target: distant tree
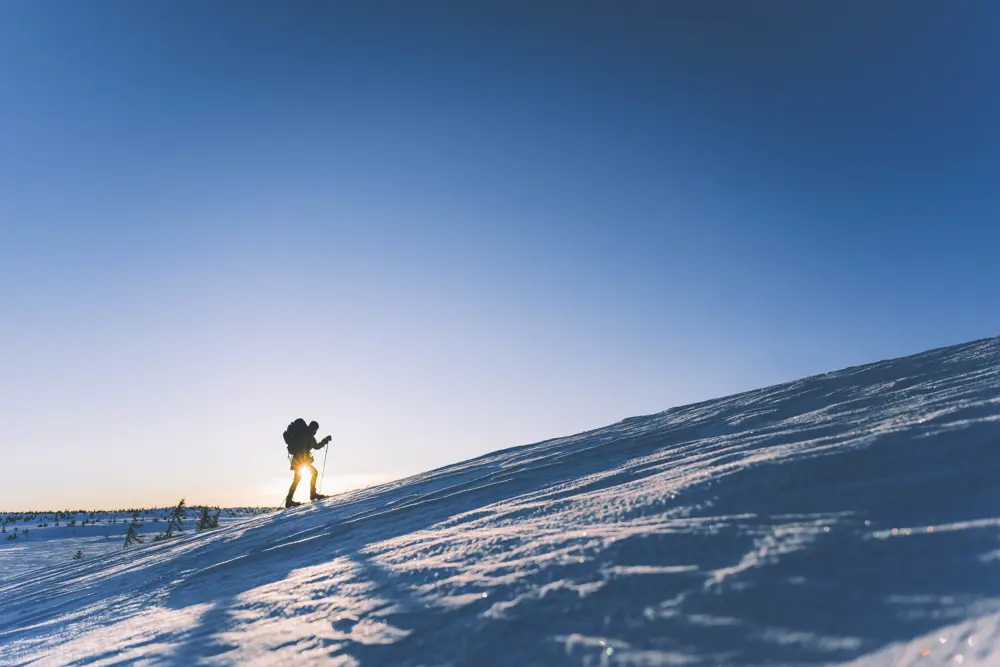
[78,555]
[207,520]
[203,519]
[178,515]
[176,522]
[132,536]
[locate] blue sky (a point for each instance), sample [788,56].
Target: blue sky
[441,230]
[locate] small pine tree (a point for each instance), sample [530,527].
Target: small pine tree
[207,520]
[78,555]
[177,517]
[204,519]
[132,536]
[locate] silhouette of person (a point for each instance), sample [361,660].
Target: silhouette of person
[303,459]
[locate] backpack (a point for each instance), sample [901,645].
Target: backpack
[294,434]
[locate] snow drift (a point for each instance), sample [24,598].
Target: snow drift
[851,516]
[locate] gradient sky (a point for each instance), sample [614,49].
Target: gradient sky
[441,230]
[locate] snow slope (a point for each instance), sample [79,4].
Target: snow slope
[850,517]
[48,539]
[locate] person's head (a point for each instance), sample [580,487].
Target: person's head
[313,427]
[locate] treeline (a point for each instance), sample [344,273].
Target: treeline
[207,520]
[15,524]
[88,517]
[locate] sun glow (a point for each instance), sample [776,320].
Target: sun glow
[335,482]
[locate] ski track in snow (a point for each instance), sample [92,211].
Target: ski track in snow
[847,518]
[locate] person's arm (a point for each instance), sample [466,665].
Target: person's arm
[322,443]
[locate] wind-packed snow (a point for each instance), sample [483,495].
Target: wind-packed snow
[848,518]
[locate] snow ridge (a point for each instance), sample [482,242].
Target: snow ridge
[849,517]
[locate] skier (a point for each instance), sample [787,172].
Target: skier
[301,439]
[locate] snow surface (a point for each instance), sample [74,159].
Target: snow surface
[847,518]
[46,544]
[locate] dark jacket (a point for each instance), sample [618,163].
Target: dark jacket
[306,445]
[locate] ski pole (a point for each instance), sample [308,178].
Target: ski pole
[325,454]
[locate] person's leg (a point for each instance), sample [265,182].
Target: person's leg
[293,487]
[313,495]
